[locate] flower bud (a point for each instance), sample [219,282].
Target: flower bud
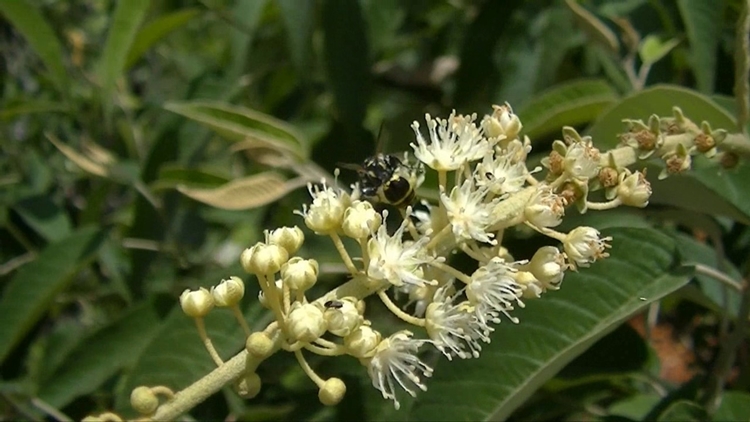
[259,345]
[342,316]
[249,385]
[583,246]
[289,238]
[332,391]
[300,274]
[229,292]
[306,322]
[532,288]
[143,400]
[263,300]
[264,259]
[634,190]
[548,266]
[503,123]
[196,303]
[361,220]
[363,342]
[326,212]
[545,208]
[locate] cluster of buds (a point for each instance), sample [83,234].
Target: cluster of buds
[485,187]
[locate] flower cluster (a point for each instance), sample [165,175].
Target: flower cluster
[484,188]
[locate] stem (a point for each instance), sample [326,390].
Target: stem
[419,322]
[718,276]
[410,224]
[452,271]
[241,320]
[437,236]
[268,284]
[323,351]
[443,180]
[286,298]
[742,67]
[549,232]
[50,410]
[207,341]
[473,254]
[344,254]
[600,206]
[309,371]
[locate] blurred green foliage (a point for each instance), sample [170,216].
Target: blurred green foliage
[121,119]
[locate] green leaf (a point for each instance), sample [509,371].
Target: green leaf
[706,188]
[101,355]
[683,411]
[240,123]
[346,59]
[653,49]
[125,23]
[569,104]
[44,216]
[634,407]
[299,18]
[14,110]
[176,357]
[554,330]
[31,24]
[170,176]
[703,21]
[735,406]
[157,29]
[243,193]
[35,285]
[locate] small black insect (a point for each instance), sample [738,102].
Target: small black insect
[333,304]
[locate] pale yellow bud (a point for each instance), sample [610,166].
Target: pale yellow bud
[143,400]
[332,391]
[265,259]
[249,385]
[634,190]
[259,345]
[548,266]
[363,342]
[532,288]
[289,238]
[342,316]
[196,303]
[306,322]
[300,274]
[229,292]
[361,220]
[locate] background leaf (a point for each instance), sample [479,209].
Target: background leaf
[553,331]
[299,18]
[155,30]
[241,194]
[29,21]
[28,294]
[702,22]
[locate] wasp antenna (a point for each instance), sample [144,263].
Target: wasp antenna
[350,166]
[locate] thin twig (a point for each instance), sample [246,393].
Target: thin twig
[718,276]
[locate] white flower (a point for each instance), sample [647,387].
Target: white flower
[545,208]
[397,261]
[453,327]
[548,266]
[493,290]
[503,124]
[583,246]
[500,175]
[582,160]
[469,216]
[453,142]
[395,364]
[326,212]
[634,190]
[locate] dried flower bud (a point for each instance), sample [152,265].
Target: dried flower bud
[634,190]
[289,238]
[196,303]
[342,316]
[229,292]
[361,220]
[300,274]
[332,391]
[306,322]
[363,342]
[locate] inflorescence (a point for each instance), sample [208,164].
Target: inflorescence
[485,188]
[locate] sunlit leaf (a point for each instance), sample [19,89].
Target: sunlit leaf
[653,49]
[553,330]
[241,194]
[594,27]
[239,123]
[569,104]
[35,285]
[85,163]
[156,30]
[31,23]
